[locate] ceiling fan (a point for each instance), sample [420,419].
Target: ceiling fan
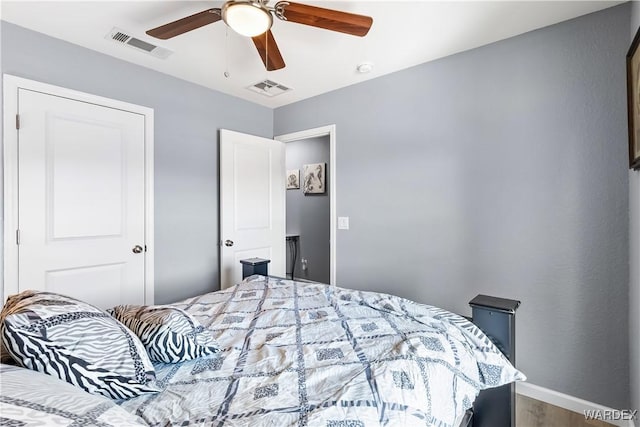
[253,18]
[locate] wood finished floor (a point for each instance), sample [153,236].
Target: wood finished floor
[534,413]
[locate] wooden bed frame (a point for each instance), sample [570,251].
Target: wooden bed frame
[496,318]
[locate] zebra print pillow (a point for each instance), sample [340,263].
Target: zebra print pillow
[169,334]
[76,342]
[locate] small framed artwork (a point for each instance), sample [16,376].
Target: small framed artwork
[293,179]
[313,178]
[633,101]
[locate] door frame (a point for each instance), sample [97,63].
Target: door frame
[11,85]
[329,130]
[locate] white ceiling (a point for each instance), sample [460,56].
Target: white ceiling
[404,33]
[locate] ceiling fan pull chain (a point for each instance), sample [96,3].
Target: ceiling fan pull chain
[226,52]
[266,51]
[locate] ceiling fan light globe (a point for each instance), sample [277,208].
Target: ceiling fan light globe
[247,18]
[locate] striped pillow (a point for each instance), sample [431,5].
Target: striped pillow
[169,334]
[77,343]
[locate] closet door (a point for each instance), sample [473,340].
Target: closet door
[81,214]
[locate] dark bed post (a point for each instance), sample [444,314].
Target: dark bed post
[251,266]
[497,318]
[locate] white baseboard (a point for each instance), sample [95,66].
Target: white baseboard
[565,401]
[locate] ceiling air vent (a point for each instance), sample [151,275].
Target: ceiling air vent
[268,88]
[120,36]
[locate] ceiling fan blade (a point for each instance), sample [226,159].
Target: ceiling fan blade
[269,51]
[187,24]
[334,20]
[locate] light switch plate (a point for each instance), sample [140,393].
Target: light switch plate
[343,223]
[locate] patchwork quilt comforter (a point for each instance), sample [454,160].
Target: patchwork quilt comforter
[297,354]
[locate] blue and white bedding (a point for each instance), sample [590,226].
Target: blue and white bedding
[291,354]
[297,354]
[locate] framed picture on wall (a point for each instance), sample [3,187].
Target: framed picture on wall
[314,182]
[633,101]
[293,179]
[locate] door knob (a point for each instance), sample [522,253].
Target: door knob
[137,249]
[228,243]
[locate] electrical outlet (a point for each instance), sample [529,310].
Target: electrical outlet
[304,264]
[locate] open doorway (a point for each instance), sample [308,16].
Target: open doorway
[310,204]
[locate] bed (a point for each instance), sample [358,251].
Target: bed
[298,354]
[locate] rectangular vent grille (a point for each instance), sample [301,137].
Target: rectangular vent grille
[120,36]
[268,88]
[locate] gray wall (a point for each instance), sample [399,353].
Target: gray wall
[501,170]
[634,264]
[309,215]
[187,120]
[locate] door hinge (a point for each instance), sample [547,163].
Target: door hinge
[18,121]
[17,237]
[145,248]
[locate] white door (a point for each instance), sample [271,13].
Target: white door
[81,210]
[252,204]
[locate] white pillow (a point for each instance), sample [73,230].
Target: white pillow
[30,398]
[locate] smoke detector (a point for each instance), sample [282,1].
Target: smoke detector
[268,88]
[120,36]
